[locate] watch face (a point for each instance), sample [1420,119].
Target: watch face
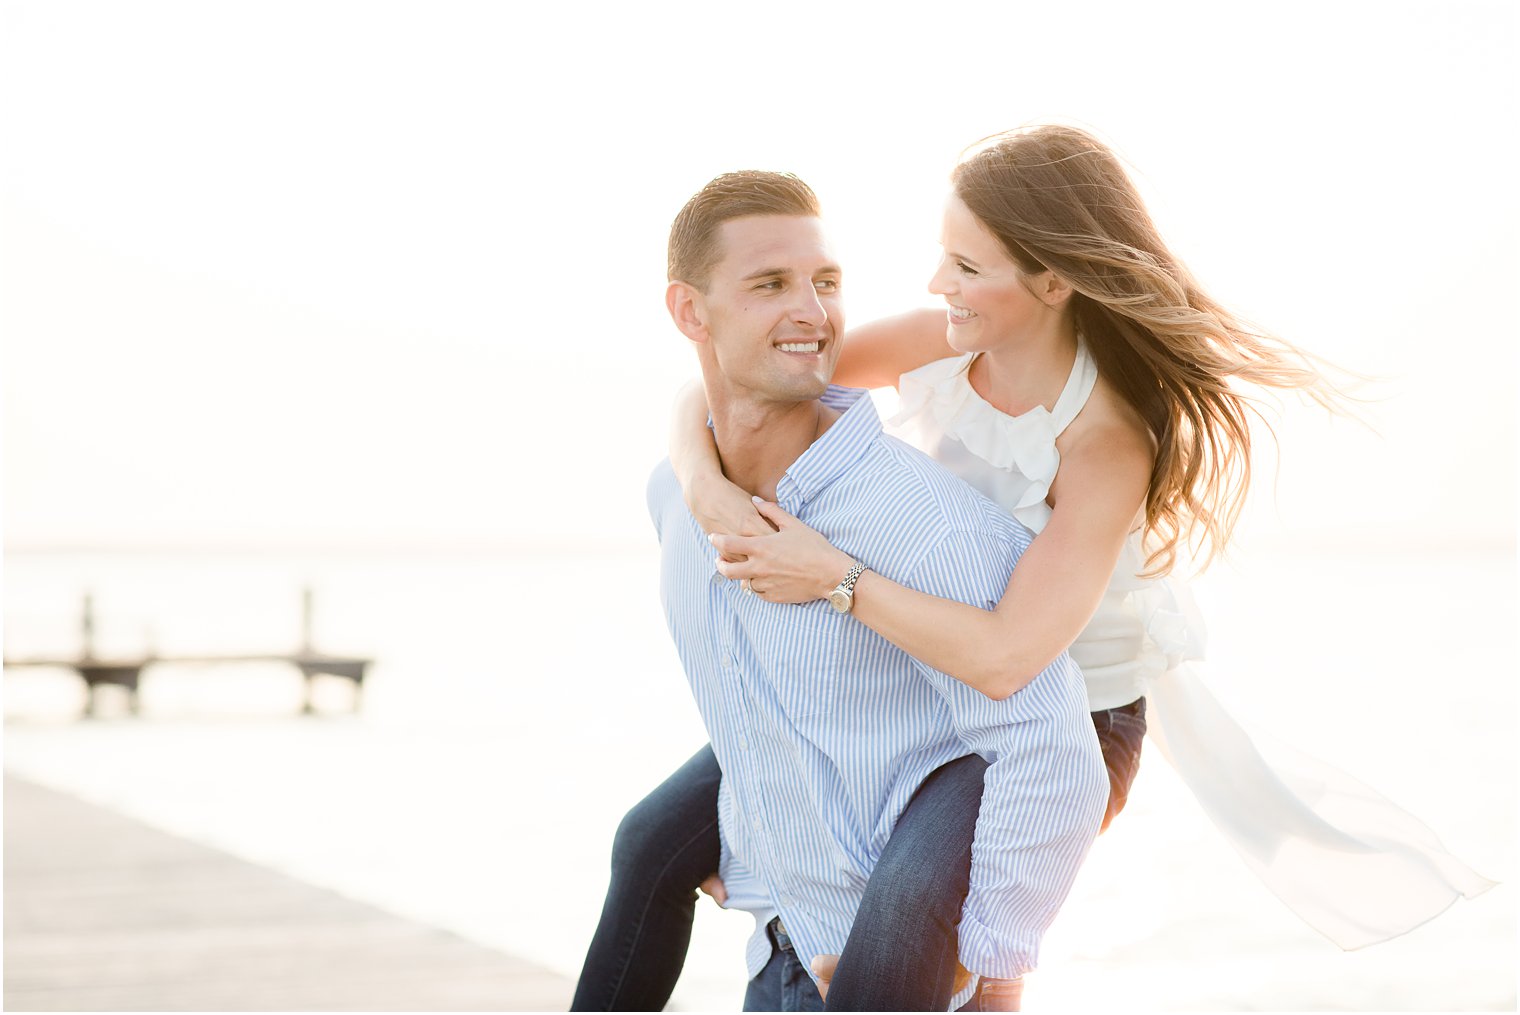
[840,601]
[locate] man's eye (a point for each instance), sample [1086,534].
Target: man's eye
[828,285]
[772,285]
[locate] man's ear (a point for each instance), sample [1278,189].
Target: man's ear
[685,304]
[1053,290]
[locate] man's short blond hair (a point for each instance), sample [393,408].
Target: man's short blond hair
[694,250]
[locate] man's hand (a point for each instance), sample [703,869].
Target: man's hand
[1000,995]
[713,885]
[823,967]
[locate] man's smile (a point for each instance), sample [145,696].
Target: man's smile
[810,347]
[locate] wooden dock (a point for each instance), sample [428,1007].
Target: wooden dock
[103,913]
[126,671]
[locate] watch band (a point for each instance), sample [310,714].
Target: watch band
[842,598]
[848,585]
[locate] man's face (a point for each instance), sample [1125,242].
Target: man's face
[772,309]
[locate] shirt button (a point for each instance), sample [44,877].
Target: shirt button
[787,900]
[743,744]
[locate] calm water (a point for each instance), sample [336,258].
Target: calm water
[511,718]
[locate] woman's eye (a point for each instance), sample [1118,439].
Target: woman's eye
[965,268]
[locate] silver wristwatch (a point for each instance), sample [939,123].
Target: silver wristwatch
[843,596]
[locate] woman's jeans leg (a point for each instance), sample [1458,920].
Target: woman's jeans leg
[1121,732]
[663,850]
[901,953]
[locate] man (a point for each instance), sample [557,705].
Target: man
[824,730]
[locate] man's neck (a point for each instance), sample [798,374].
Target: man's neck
[758,442]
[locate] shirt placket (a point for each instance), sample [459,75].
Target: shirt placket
[753,806]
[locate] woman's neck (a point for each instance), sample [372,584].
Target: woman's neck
[1019,375]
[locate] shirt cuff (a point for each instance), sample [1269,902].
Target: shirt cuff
[986,953]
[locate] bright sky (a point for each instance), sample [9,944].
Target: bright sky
[376,274]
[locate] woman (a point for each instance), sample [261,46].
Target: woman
[1083,381]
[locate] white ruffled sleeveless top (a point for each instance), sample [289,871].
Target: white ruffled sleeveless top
[1142,627]
[1347,861]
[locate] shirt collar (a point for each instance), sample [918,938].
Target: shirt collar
[837,450]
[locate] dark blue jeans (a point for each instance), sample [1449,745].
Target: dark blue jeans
[664,848]
[784,983]
[901,952]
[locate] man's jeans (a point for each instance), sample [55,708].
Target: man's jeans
[783,985]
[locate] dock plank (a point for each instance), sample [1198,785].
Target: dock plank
[103,913]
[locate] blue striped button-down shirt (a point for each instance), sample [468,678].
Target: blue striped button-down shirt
[824,729]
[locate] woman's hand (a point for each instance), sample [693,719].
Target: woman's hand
[722,508]
[713,886]
[794,564]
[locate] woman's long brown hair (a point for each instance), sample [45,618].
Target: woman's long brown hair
[1058,199]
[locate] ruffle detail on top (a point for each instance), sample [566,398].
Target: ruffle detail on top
[1023,445]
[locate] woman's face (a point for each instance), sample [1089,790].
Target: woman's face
[991,302]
